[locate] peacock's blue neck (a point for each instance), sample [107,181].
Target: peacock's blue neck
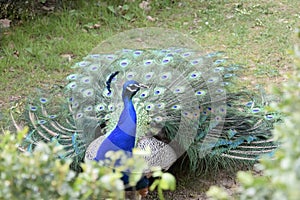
[127,120]
[123,136]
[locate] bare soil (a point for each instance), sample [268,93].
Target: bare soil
[193,186]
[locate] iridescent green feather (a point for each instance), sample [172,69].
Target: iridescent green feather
[188,104]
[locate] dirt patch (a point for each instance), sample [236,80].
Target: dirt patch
[194,187]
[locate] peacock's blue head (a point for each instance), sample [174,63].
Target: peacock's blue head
[130,88]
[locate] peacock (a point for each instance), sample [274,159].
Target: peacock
[172,98]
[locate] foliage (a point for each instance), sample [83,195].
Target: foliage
[41,175]
[281,177]
[166,182]
[24,10]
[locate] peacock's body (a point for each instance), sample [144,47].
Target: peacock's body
[188,107]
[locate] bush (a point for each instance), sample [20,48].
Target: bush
[281,176]
[41,175]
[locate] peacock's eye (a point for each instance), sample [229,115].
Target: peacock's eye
[132,87]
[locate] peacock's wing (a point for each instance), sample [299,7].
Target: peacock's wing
[161,154]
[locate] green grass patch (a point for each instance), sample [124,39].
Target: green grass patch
[39,52]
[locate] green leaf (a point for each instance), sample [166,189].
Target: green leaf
[157,174]
[245,178]
[217,193]
[111,9]
[128,16]
[154,185]
[125,7]
[29,50]
[167,182]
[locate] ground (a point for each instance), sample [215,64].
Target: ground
[194,187]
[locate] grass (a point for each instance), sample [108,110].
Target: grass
[39,52]
[254,33]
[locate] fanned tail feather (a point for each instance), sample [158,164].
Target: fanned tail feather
[50,119]
[189,101]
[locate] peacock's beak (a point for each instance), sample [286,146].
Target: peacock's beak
[142,86]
